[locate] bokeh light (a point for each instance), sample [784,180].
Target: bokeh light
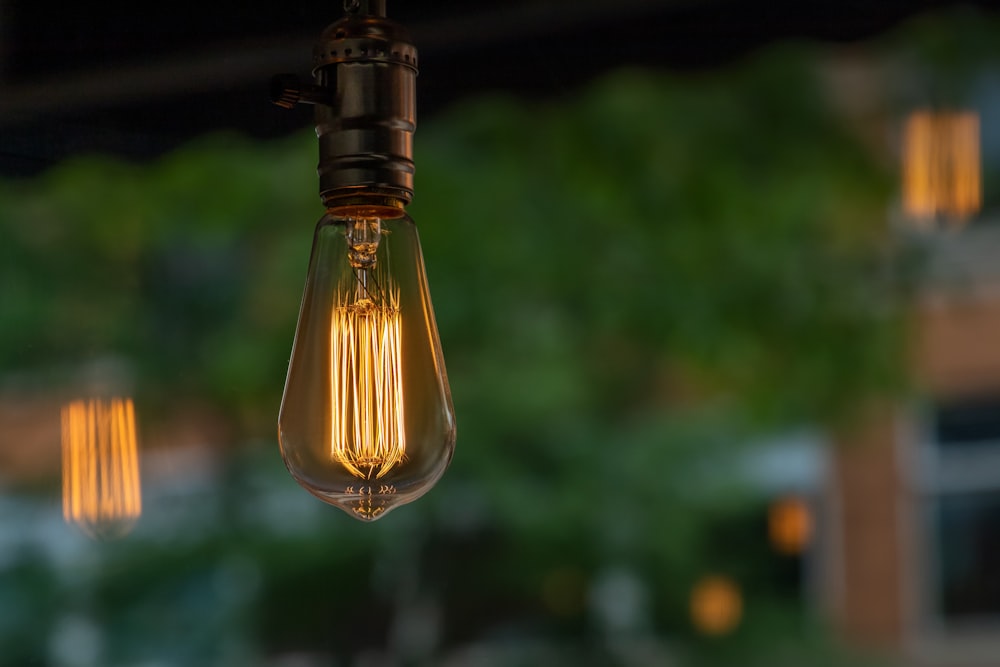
[716,605]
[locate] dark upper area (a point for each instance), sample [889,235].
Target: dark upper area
[138,79]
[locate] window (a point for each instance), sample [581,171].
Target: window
[960,472]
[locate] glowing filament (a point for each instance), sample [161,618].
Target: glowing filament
[366,386]
[101,490]
[941,165]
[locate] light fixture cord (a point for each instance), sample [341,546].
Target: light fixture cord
[365,7]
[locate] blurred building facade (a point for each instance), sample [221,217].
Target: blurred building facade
[908,518]
[912,503]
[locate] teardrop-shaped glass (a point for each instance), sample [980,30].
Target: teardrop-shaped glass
[366,422]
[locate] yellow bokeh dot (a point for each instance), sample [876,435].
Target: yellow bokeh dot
[790,526]
[716,605]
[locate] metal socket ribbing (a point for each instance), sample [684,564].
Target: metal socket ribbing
[366,134]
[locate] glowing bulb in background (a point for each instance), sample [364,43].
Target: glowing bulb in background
[789,525]
[366,420]
[716,605]
[941,166]
[100,475]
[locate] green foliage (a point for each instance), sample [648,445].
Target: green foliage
[658,231]
[948,55]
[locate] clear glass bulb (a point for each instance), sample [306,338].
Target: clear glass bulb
[366,422]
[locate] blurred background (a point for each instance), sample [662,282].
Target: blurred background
[717,288]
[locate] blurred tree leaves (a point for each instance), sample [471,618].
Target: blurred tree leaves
[723,233]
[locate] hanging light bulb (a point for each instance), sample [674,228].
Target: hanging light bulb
[941,167]
[100,472]
[366,420]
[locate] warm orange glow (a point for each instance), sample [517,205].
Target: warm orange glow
[790,526]
[366,385]
[101,490]
[941,167]
[716,605]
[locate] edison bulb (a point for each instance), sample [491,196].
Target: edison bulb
[366,422]
[100,472]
